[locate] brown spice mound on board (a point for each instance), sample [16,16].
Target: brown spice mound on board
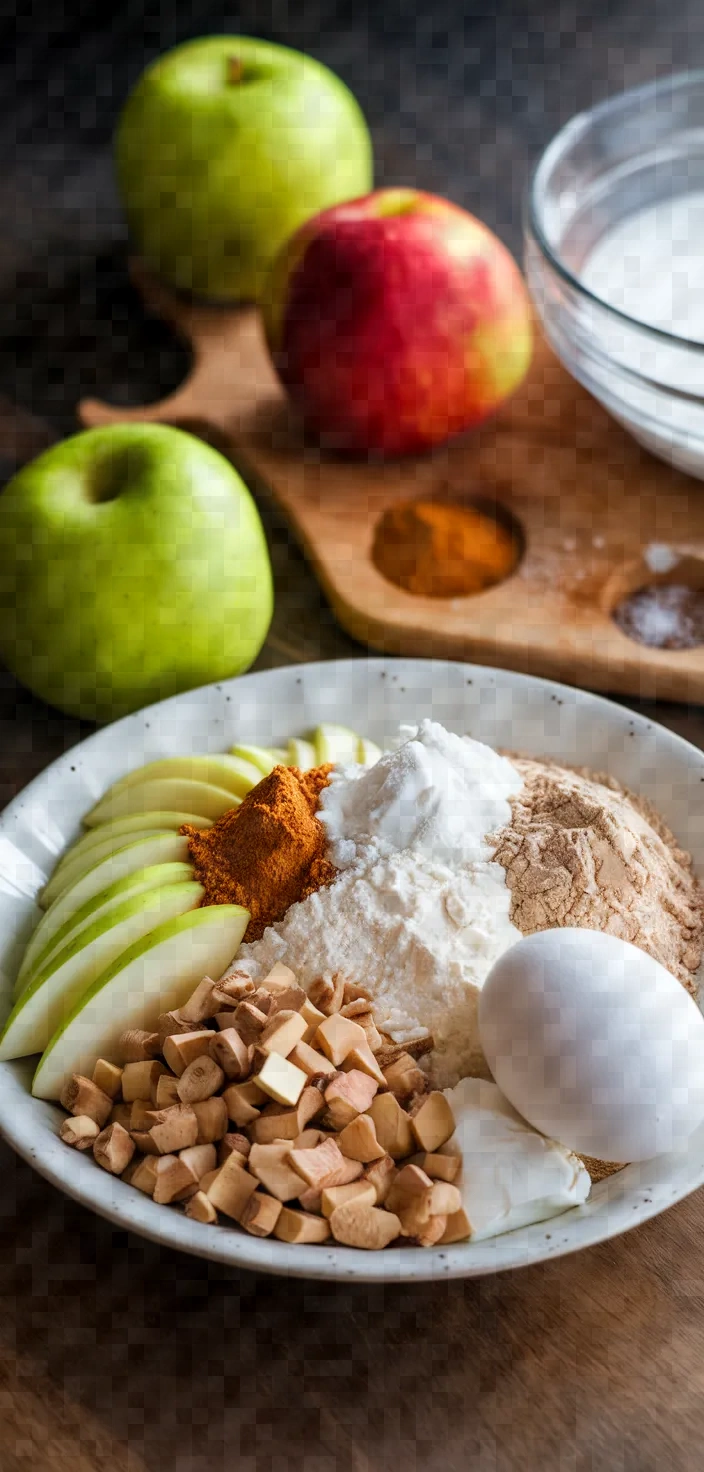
[269,852]
[443,549]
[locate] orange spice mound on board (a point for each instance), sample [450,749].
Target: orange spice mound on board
[267,853]
[443,549]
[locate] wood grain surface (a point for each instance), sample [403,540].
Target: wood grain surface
[116,1356]
[586,501]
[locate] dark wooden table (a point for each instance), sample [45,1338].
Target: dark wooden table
[114,1354]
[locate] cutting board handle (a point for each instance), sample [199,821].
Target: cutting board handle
[221,388]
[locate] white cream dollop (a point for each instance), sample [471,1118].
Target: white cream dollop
[510,1175]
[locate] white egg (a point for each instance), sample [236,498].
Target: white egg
[595,1044]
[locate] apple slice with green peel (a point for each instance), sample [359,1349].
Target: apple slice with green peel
[47,937]
[335,744]
[278,755]
[38,955]
[166,848]
[55,989]
[65,876]
[260,757]
[99,843]
[137,825]
[369,753]
[155,975]
[164,792]
[229,772]
[301,754]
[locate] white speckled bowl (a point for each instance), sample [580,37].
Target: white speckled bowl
[373,696]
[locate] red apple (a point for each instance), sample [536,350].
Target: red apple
[396,321]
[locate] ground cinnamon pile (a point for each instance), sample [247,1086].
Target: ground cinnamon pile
[443,549]
[269,852]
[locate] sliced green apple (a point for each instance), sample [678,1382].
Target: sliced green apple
[56,988]
[66,875]
[335,744]
[137,825]
[38,955]
[155,975]
[255,756]
[164,848]
[164,792]
[220,770]
[368,753]
[301,754]
[278,755]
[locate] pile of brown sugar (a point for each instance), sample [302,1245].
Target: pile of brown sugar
[269,852]
[583,851]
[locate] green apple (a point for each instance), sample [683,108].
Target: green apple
[301,754]
[162,819]
[262,757]
[38,955]
[330,743]
[133,565]
[175,792]
[228,772]
[155,975]
[335,744]
[107,837]
[57,987]
[66,875]
[163,848]
[147,853]
[225,146]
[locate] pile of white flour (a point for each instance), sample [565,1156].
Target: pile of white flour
[437,796]
[420,910]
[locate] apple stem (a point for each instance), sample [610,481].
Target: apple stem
[235,69]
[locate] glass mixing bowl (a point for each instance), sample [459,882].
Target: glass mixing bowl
[638,150]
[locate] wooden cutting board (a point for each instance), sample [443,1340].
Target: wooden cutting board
[589,502]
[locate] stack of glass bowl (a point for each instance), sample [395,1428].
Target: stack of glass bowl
[637,150]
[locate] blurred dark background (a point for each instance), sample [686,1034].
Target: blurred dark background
[460,98]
